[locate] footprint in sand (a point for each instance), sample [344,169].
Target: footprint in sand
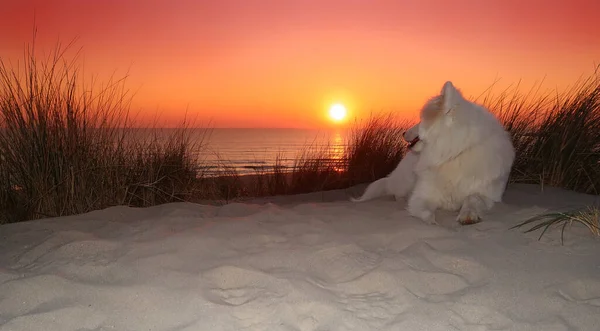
[582,291]
[22,297]
[97,252]
[427,256]
[235,286]
[251,297]
[434,275]
[400,241]
[79,318]
[343,263]
[434,286]
[480,315]
[376,297]
[95,255]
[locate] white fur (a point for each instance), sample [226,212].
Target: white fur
[401,180]
[461,163]
[465,159]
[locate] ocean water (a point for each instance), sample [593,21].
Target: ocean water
[248,151]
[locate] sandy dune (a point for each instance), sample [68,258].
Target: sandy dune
[308,262]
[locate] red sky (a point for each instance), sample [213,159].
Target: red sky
[281,63]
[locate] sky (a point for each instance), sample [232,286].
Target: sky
[282,63]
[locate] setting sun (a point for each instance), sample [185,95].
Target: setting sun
[337,112]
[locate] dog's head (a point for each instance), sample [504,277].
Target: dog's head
[411,136]
[437,114]
[449,125]
[431,116]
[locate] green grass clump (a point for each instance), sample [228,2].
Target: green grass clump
[590,218]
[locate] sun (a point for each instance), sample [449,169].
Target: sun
[337,112]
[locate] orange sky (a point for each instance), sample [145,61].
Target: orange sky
[281,63]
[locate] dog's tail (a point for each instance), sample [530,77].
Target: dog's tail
[376,189]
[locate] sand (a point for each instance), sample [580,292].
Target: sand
[307,262]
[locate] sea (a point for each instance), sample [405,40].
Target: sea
[245,151]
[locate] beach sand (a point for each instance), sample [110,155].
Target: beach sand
[305,262]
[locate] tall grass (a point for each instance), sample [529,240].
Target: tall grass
[556,134]
[161,170]
[67,147]
[63,144]
[374,148]
[316,169]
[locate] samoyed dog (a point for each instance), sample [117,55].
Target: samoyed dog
[401,180]
[463,161]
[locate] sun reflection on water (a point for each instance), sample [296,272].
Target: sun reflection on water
[336,152]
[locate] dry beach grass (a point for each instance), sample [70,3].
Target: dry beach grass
[65,148]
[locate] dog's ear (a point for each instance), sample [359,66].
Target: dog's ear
[450,97]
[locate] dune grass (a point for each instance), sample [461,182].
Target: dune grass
[161,169]
[316,169]
[590,218]
[371,151]
[375,147]
[67,147]
[556,134]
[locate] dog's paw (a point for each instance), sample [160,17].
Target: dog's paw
[426,216]
[471,210]
[430,220]
[422,210]
[469,220]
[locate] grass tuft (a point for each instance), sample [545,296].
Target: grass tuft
[66,147]
[375,148]
[556,134]
[590,218]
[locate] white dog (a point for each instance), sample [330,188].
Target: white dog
[464,160]
[401,180]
